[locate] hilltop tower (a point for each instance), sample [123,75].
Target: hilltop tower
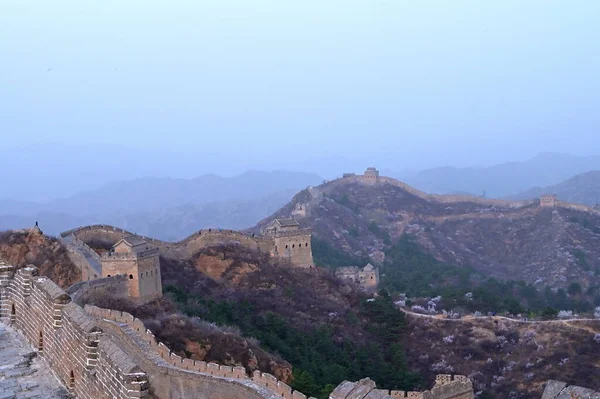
[548,201]
[139,261]
[371,176]
[290,241]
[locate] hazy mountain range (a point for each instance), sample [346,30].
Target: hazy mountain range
[166,208]
[505,179]
[75,186]
[583,188]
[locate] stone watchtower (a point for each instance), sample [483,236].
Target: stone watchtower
[371,176]
[367,277]
[290,241]
[139,261]
[548,201]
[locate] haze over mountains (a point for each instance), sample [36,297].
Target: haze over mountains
[583,188]
[161,194]
[167,208]
[504,179]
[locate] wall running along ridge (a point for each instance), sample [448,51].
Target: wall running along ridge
[96,358]
[174,250]
[100,353]
[449,199]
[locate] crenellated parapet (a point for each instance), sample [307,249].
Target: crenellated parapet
[173,364]
[101,353]
[274,245]
[89,364]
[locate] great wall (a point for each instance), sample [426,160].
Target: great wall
[99,353]
[102,353]
[371,177]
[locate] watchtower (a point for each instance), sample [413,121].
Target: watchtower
[367,277]
[290,241]
[548,201]
[299,211]
[371,176]
[139,261]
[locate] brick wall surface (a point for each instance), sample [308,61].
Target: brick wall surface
[98,353]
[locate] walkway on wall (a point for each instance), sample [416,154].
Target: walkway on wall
[92,257]
[22,373]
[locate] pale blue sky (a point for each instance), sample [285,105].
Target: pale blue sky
[411,83]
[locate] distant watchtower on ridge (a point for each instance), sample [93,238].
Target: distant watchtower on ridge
[139,261]
[370,176]
[548,201]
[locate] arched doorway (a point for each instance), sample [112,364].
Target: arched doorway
[13,312]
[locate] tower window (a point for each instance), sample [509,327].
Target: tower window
[131,276]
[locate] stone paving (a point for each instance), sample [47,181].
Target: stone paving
[23,375]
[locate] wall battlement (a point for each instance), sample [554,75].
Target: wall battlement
[87,363]
[203,239]
[100,353]
[95,365]
[189,366]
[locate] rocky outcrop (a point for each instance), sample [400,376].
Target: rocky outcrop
[446,387]
[24,247]
[560,390]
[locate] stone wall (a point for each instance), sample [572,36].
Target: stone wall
[109,235]
[172,376]
[450,199]
[117,285]
[446,387]
[88,364]
[300,256]
[95,357]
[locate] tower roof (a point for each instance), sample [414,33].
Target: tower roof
[287,222]
[132,241]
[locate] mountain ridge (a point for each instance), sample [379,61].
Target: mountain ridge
[505,179]
[583,188]
[504,239]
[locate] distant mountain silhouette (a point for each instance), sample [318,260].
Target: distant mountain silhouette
[583,188]
[163,207]
[505,179]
